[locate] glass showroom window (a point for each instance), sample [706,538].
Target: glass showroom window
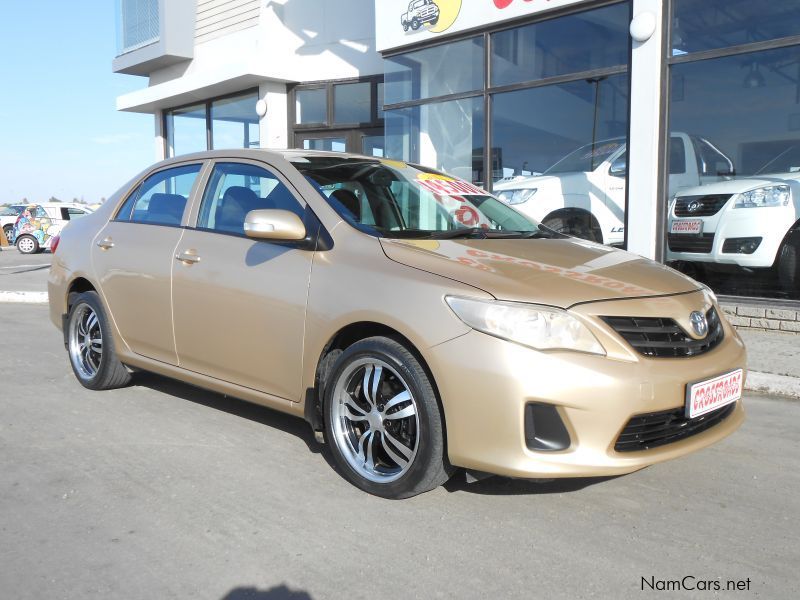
[439,71]
[445,135]
[558,102]
[311,106]
[229,122]
[234,122]
[734,215]
[186,130]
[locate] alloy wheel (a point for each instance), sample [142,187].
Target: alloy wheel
[85,341]
[375,421]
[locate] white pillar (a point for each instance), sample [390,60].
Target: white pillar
[161,135]
[644,169]
[274,126]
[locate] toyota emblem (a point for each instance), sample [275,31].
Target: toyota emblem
[694,206]
[699,323]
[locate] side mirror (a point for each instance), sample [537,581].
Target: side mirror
[619,168]
[274,224]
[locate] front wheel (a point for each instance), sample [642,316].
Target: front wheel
[91,347]
[27,244]
[9,231]
[415,23]
[789,263]
[382,421]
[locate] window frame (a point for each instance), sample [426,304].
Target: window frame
[168,152]
[329,85]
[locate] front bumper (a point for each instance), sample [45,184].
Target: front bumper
[770,224]
[485,384]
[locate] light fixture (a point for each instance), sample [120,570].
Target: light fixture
[754,79]
[643,26]
[261,107]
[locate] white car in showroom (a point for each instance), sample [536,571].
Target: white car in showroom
[750,222]
[583,194]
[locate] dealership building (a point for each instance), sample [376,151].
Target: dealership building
[610,113]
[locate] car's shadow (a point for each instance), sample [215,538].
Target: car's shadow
[505,486]
[492,485]
[233,406]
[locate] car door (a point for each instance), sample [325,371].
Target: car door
[133,259]
[240,304]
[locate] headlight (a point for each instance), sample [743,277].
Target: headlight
[539,327]
[772,195]
[516,196]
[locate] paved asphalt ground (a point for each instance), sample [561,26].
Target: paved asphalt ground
[161,490]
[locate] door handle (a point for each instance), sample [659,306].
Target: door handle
[105,244]
[188,257]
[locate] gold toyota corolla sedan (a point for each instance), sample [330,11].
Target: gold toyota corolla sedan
[415,321]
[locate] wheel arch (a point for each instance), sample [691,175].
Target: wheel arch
[568,211]
[78,285]
[344,338]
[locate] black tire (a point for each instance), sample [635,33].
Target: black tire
[789,264]
[109,373]
[428,468]
[405,25]
[434,21]
[27,244]
[577,223]
[8,230]
[415,23]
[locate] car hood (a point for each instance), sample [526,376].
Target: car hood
[555,272]
[742,184]
[539,181]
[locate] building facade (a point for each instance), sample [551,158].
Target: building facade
[668,127]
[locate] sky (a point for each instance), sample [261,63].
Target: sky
[60,133]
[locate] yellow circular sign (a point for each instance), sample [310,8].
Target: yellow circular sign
[448,13]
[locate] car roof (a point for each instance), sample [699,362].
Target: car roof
[263,153]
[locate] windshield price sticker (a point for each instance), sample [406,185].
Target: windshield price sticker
[451,187]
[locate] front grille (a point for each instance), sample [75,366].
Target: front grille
[687,242]
[705,206]
[664,338]
[657,429]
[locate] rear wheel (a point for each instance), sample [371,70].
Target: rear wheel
[415,23]
[91,347]
[382,421]
[27,244]
[577,223]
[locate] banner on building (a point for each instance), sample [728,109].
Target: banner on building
[403,22]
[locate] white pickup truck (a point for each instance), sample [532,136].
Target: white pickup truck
[583,194]
[751,222]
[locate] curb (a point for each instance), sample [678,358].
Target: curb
[23,297]
[769,383]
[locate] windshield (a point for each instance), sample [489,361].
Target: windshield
[587,158]
[787,161]
[395,199]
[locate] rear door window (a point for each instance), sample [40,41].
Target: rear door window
[161,198]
